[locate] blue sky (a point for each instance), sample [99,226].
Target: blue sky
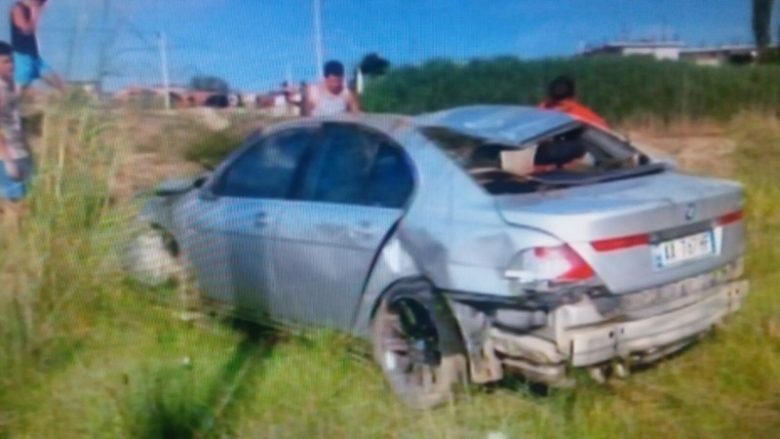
[254,43]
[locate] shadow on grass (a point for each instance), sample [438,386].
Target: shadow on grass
[176,405]
[247,361]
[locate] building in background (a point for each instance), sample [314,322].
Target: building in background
[720,55]
[734,54]
[660,50]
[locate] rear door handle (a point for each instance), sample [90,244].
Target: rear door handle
[261,220]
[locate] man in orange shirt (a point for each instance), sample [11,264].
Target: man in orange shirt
[562,96]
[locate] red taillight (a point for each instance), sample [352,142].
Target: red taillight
[608,245]
[557,264]
[730,218]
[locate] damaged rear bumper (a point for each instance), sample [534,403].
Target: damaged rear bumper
[640,340]
[580,335]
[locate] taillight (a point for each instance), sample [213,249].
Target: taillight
[730,218]
[607,245]
[556,264]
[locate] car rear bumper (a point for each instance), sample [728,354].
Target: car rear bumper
[578,336]
[642,338]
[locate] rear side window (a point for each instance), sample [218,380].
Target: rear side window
[267,169]
[353,166]
[391,182]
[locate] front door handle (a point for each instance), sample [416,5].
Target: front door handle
[363,230]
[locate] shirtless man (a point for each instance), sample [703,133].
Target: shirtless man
[331,96]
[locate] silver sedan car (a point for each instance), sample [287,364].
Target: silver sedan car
[464,244]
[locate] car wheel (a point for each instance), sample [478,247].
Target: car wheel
[151,258]
[418,346]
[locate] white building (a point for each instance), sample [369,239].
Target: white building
[720,55]
[660,50]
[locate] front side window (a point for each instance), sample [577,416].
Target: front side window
[267,169]
[391,182]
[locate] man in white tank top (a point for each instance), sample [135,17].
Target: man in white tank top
[331,96]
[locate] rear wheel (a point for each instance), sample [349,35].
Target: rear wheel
[418,346]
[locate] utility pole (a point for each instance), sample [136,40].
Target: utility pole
[164,66]
[318,37]
[103,60]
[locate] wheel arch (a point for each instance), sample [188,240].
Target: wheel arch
[423,291]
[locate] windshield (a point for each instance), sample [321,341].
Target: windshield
[571,156]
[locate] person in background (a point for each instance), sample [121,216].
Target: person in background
[562,96]
[25,17]
[331,96]
[16,164]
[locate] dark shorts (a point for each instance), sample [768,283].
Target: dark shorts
[15,190]
[28,68]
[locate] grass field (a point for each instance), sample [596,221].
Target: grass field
[84,352]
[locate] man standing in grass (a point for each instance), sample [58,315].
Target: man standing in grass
[16,164]
[25,17]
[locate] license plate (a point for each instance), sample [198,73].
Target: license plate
[681,250]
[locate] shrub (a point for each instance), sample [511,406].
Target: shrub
[619,88]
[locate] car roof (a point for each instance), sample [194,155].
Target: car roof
[386,123]
[505,124]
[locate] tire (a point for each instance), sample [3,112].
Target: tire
[150,257]
[417,344]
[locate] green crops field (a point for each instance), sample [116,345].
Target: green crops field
[620,88]
[85,352]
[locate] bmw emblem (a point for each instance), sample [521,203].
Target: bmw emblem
[690,212]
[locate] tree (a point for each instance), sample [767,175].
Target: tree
[374,65]
[213,84]
[762,22]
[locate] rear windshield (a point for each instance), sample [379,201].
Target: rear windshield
[572,156]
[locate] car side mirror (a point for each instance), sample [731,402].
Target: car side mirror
[200,181]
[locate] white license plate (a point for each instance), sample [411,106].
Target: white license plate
[678,251]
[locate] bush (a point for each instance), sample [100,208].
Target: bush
[619,88]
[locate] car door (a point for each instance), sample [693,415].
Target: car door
[351,194]
[247,195]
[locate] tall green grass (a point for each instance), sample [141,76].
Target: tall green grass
[620,88]
[82,351]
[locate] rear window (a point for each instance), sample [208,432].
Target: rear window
[576,155]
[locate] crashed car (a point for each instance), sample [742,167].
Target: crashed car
[465,244]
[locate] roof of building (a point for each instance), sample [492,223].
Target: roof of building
[729,48]
[650,44]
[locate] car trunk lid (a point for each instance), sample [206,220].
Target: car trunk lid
[626,229]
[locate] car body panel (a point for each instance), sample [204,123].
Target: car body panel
[328,251]
[204,245]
